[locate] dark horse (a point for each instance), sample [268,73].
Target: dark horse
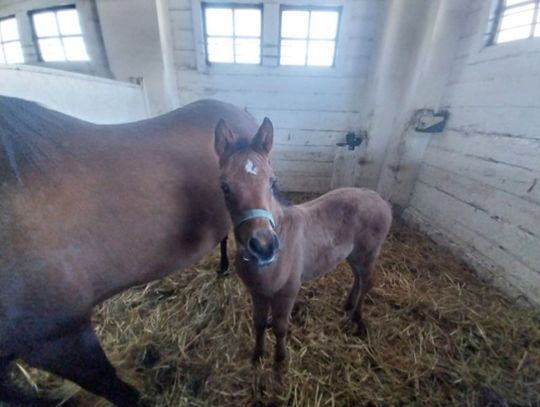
[89,210]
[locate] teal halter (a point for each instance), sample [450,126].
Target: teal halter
[255,213]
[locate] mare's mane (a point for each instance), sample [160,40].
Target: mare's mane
[29,136]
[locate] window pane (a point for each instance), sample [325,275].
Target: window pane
[75,49]
[514,34]
[247,22]
[69,22]
[219,21]
[9,30]
[13,53]
[321,53]
[2,59]
[51,50]
[220,50]
[45,24]
[294,24]
[293,52]
[248,51]
[323,24]
[517,19]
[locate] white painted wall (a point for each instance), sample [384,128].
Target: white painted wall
[311,108]
[86,97]
[478,188]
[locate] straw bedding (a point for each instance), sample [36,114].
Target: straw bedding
[437,336]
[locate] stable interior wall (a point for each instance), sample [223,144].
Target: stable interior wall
[312,108]
[89,98]
[478,186]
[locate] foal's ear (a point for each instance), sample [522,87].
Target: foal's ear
[224,140]
[264,138]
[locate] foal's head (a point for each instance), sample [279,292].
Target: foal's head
[247,181]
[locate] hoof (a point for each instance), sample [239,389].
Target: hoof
[361,330]
[347,307]
[223,272]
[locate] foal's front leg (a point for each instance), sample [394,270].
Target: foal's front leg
[282,306]
[261,306]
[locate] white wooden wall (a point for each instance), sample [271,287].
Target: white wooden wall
[86,97]
[479,184]
[311,108]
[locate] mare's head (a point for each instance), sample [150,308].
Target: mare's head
[247,182]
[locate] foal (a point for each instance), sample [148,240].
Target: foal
[311,239]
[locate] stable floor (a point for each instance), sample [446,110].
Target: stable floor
[437,336]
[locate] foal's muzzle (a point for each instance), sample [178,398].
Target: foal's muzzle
[263,246]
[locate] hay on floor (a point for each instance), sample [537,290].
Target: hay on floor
[437,336]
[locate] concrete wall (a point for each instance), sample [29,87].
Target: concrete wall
[311,108]
[89,98]
[478,188]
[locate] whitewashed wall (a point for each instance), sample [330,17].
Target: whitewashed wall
[86,97]
[478,188]
[311,108]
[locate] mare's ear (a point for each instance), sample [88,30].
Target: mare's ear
[224,140]
[264,139]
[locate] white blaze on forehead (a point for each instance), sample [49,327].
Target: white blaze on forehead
[250,167]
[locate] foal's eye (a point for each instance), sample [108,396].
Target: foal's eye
[273,183]
[226,189]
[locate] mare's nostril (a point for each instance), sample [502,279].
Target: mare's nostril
[275,242]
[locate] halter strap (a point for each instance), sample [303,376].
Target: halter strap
[255,213]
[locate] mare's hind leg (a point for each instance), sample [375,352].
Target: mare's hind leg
[224,260]
[78,356]
[363,281]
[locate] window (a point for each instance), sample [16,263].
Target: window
[233,33]
[308,36]
[10,46]
[58,34]
[514,20]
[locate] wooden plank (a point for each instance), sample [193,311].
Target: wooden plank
[503,148]
[302,183]
[518,121]
[183,40]
[309,154]
[480,253]
[443,207]
[185,58]
[181,19]
[301,137]
[513,180]
[499,205]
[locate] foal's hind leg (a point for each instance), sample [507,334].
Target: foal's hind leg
[363,281]
[78,356]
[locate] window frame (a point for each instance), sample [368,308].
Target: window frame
[231,6]
[36,38]
[2,42]
[495,19]
[285,7]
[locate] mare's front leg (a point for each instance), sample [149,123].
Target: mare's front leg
[78,356]
[282,305]
[261,306]
[224,259]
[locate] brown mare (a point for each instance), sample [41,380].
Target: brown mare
[311,239]
[87,211]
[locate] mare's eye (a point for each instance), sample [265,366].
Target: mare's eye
[226,189]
